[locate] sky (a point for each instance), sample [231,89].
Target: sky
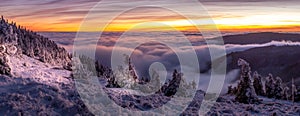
[230,15]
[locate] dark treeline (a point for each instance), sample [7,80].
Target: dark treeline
[251,86]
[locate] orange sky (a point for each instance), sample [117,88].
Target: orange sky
[67,15]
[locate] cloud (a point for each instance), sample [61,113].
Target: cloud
[247,0]
[230,79]
[152,52]
[71,12]
[237,48]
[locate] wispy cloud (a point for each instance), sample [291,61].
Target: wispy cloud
[57,12]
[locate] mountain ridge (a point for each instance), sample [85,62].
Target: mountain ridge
[260,38]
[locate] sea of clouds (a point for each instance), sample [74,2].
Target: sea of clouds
[152,52]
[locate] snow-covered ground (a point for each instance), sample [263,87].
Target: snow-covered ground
[37,88]
[226,105]
[27,67]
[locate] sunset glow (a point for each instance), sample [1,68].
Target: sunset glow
[65,15]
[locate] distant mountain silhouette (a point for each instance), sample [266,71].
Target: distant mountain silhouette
[259,38]
[280,61]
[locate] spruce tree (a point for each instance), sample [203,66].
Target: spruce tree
[230,90]
[245,91]
[257,83]
[270,86]
[278,88]
[294,91]
[170,89]
[286,94]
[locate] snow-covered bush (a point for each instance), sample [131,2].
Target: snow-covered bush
[12,49]
[2,49]
[123,78]
[126,76]
[152,85]
[186,88]
[4,67]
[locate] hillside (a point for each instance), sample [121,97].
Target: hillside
[280,61]
[260,38]
[18,40]
[33,75]
[37,88]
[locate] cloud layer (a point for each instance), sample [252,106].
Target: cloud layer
[149,53]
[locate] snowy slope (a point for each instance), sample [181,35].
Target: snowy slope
[226,105]
[27,67]
[38,88]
